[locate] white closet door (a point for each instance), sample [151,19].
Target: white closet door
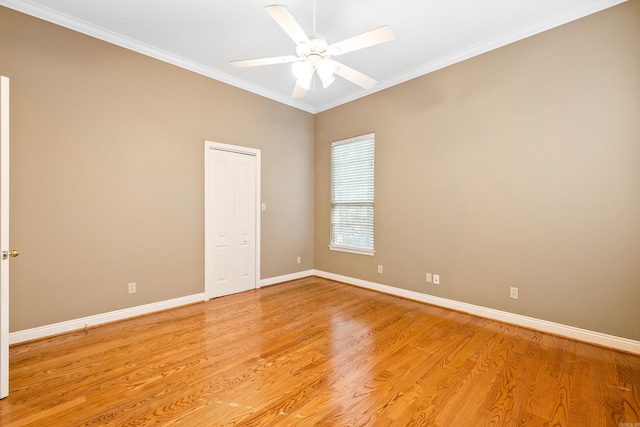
[245,221]
[231,257]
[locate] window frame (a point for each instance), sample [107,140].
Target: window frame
[345,248]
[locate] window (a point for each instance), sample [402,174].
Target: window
[352,193]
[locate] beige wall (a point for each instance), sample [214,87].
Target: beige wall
[107,173]
[520,167]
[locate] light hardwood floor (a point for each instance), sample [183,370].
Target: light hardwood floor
[316,352]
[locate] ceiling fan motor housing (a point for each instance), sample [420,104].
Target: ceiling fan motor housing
[314,52]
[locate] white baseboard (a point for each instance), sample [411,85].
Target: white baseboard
[585,335]
[98,319]
[112,316]
[286,278]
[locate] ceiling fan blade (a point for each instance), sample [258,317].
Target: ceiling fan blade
[288,23]
[354,76]
[263,61]
[298,92]
[370,38]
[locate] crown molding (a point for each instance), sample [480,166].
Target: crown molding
[50,15]
[483,47]
[63,20]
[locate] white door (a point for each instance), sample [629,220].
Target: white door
[231,221]
[4,237]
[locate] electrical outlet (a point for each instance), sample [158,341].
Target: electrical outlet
[132,287]
[429,278]
[513,293]
[380,269]
[299,260]
[436,279]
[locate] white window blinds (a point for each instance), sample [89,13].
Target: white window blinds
[352,194]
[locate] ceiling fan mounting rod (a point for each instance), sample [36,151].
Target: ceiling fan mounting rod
[314,16]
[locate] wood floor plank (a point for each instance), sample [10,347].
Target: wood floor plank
[314,352]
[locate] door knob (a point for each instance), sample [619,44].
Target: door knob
[12,253]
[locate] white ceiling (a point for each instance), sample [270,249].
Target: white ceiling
[204,35]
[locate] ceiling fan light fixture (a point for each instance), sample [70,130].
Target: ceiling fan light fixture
[325,72]
[326,80]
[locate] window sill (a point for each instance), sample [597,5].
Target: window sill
[352,250]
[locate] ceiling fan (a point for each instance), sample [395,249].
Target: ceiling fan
[314,53]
